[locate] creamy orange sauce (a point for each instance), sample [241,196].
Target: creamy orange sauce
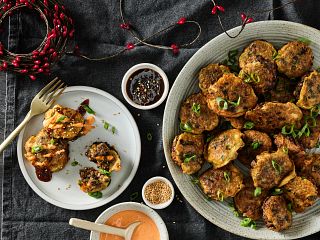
[147,230]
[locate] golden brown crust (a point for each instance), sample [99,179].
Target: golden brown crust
[283,90]
[217,186]
[187,152]
[310,91]
[275,214]
[231,89]
[272,115]
[44,151]
[257,48]
[210,74]
[301,193]
[269,169]
[92,180]
[255,143]
[224,147]
[247,203]
[259,73]
[195,112]
[294,59]
[64,122]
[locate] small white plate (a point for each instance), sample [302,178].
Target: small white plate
[164,235]
[63,190]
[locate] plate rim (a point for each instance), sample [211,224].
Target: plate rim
[125,184]
[166,146]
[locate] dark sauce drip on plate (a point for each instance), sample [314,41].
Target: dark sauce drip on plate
[44,174]
[145,87]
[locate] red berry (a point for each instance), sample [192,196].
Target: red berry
[62,16]
[130,46]
[40,70]
[45,2]
[214,10]
[175,48]
[35,52]
[35,66]
[243,17]
[18,59]
[1,53]
[249,20]
[46,65]
[56,7]
[182,21]
[54,54]
[37,62]
[71,33]
[23,71]
[125,26]
[4,64]
[16,64]
[220,8]
[32,77]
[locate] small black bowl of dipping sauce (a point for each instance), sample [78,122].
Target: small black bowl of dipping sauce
[145,86]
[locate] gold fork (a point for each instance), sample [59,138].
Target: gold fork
[40,103]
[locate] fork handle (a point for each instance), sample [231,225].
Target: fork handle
[12,136]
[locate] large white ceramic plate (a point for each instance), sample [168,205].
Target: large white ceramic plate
[63,190]
[278,33]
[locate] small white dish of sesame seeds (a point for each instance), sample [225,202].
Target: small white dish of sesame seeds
[158,192]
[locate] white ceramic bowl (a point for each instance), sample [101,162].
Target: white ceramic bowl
[162,205]
[139,67]
[132,206]
[278,33]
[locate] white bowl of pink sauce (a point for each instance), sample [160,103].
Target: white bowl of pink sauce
[121,215]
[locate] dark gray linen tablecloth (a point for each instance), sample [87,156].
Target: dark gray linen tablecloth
[27,216]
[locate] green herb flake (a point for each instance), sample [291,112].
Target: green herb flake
[275,55]
[134,196]
[195,180]
[304,40]
[237,103]
[95,194]
[74,163]
[232,61]
[113,130]
[248,222]
[52,141]
[277,191]
[61,118]
[251,78]
[289,207]
[234,210]
[149,136]
[104,172]
[276,166]
[186,127]
[257,192]
[315,111]
[106,125]
[88,109]
[284,130]
[248,125]
[285,150]
[222,103]
[220,196]
[226,176]
[36,149]
[255,145]
[189,157]
[209,138]
[196,108]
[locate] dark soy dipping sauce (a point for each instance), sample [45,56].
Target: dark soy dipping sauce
[145,87]
[44,174]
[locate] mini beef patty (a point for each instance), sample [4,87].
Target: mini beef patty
[195,113]
[257,48]
[219,184]
[104,156]
[294,59]
[276,215]
[92,180]
[247,203]
[187,152]
[224,147]
[210,74]
[259,73]
[255,143]
[231,97]
[301,192]
[272,115]
[310,91]
[269,169]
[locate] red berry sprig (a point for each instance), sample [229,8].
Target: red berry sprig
[59,31]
